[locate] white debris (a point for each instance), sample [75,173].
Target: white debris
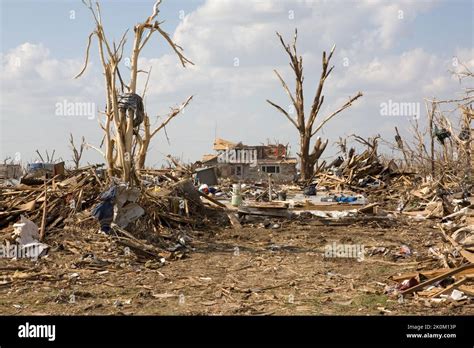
[27,236]
[329,214]
[457,295]
[26,231]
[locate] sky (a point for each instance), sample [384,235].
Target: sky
[394,52]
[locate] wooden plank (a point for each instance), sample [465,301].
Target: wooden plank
[428,274]
[467,254]
[461,281]
[268,205]
[234,221]
[210,199]
[97,178]
[264,212]
[440,277]
[30,206]
[467,289]
[464,211]
[369,208]
[328,207]
[43,219]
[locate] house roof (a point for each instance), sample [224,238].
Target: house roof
[222,144]
[208,157]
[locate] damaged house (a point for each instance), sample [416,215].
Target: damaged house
[237,161]
[10,171]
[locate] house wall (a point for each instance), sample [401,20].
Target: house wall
[254,173]
[10,171]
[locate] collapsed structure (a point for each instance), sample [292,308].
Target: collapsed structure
[241,162]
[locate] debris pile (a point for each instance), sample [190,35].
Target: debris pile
[454,280]
[50,203]
[142,217]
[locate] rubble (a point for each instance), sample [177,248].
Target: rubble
[166,199]
[157,220]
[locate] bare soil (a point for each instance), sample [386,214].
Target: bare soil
[252,271]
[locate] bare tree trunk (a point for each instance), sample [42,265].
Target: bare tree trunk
[122,125]
[306,170]
[302,124]
[432,151]
[77,152]
[466,122]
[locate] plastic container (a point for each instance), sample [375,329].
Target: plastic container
[236,195]
[236,189]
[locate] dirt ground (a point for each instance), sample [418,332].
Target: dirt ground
[252,271]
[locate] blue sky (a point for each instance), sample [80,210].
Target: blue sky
[390,50]
[51,23]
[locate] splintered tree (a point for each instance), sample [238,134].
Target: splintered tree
[127,126]
[305,125]
[444,147]
[77,151]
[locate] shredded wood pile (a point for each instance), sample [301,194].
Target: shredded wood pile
[56,199]
[383,181]
[168,198]
[454,279]
[446,199]
[362,173]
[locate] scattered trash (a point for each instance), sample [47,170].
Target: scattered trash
[407,284]
[457,295]
[405,250]
[104,212]
[345,199]
[310,190]
[26,235]
[204,188]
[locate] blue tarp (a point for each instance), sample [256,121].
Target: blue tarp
[104,211]
[345,199]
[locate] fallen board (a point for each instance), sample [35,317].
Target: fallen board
[267,205]
[440,277]
[233,220]
[275,212]
[466,254]
[328,207]
[427,274]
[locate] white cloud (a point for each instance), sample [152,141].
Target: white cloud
[231,99]
[32,82]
